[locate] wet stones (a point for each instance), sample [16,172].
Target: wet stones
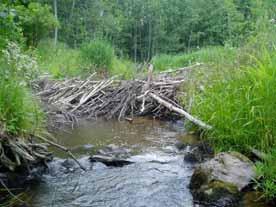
[110,161]
[112,155]
[219,181]
[198,153]
[115,151]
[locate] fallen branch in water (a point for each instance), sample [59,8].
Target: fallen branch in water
[63,149]
[180,111]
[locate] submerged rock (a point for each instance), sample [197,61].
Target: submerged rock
[112,155]
[219,181]
[110,161]
[115,151]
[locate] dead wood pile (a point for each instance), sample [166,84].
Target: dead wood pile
[19,152]
[109,98]
[72,99]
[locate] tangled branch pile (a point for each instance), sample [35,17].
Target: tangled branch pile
[69,100]
[109,98]
[16,152]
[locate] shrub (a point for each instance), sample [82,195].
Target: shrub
[36,21]
[98,54]
[20,64]
[10,30]
[19,113]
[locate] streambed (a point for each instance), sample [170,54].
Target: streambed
[158,176]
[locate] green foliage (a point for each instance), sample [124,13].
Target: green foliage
[36,21]
[141,29]
[98,54]
[266,171]
[240,106]
[19,112]
[20,64]
[60,61]
[212,55]
[10,30]
[123,68]
[30,20]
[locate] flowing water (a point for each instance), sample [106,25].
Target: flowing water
[158,176]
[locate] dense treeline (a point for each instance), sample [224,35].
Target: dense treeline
[139,29]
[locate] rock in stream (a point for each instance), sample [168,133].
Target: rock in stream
[219,181]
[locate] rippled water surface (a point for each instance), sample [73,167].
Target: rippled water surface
[158,176]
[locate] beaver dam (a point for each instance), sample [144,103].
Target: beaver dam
[120,152]
[73,99]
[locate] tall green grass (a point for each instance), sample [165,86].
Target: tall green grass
[209,55]
[123,68]
[241,107]
[60,60]
[98,54]
[20,114]
[240,102]
[266,172]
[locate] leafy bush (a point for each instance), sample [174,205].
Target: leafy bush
[19,112]
[10,30]
[36,21]
[98,54]
[20,64]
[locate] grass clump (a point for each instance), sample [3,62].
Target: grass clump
[19,113]
[60,60]
[123,68]
[266,172]
[239,102]
[241,107]
[98,54]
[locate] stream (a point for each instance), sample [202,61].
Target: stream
[157,177]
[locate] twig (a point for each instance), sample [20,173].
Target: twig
[11,193]
[62,148]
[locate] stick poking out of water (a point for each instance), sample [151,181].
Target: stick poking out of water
[65,149]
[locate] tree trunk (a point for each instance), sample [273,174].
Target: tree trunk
[56,28]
